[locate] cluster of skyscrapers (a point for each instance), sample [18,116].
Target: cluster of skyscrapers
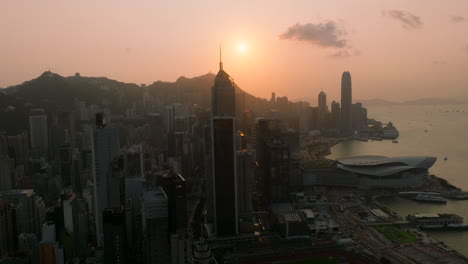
[157,187]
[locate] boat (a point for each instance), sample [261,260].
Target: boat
[457,226]
[445,227]
[457,195]
[394,141]
[430,198]
[445,158]
[431,226]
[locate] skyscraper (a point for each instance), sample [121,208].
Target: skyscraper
[114,235]
[39,133]
[27,200]
[335,114]
[66,162]
[322,118]
[7,235]
[6,173]
[346,101]
[155,226]
[105,146]
[174,187]
[223,150]
[322,102]
[223,94]
[224,176]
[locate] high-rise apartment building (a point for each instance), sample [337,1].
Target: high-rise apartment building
[346,102]
[39,132]
[155,226]
[105,146]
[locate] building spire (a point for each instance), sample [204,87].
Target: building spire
[220,59]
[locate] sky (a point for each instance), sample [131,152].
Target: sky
[395,50]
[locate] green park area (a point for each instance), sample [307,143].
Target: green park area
[396,234]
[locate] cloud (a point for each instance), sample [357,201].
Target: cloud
[341,54]
[328,34]
[344,53]
[408,20]
[457,19]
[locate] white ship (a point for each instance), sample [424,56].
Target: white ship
[430,198]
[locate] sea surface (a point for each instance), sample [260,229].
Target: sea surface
[440,131]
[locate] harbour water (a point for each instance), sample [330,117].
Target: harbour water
[440,131]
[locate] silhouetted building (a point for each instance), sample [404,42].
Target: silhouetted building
[29,243]
[105,146]
[276,170]
[156,126]
[357,113]
[335,114]
[245,177]
[346,101]
[174,187]
[6,173]
[29,202]
[39,131]
[322,102]
[155,226]
[18,148]
[66,165]
[322,110]
[223,94]
[7,231]
[224,176]
[114,236]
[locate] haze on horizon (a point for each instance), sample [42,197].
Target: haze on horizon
[395,50]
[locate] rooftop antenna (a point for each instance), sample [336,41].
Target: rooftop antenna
[220,59]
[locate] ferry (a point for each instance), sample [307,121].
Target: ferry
[415,193]
[457,195]
[457,226]
[436,221]
[431,226]
[446,227]
[390,132]
[430,198]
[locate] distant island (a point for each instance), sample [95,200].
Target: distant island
[422,101]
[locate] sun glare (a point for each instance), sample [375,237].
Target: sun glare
[242,47]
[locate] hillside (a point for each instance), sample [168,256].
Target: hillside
[54,92]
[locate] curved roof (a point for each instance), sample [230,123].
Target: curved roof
[384,166]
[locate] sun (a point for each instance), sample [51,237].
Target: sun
[242,47]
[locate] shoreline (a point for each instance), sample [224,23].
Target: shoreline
[316,150]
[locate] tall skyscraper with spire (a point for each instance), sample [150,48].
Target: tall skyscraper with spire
[223,93]
[346,102]
[224,181]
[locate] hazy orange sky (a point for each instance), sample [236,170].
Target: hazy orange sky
[395,50]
